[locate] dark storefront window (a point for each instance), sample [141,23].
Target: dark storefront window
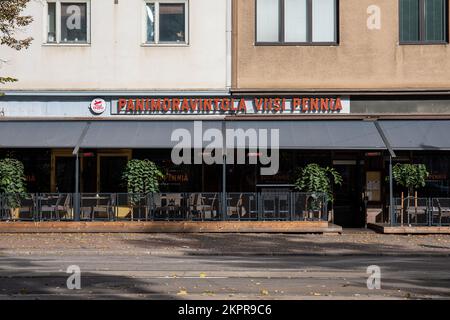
[37,167]
[423,21]
[438,165]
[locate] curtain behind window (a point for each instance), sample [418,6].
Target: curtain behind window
[409,20]
[434,20]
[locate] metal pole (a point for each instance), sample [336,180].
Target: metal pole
[224,173]
[76,197]
[391,155]
[75,152]
[391,193]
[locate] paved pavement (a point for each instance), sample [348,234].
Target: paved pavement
[224,266]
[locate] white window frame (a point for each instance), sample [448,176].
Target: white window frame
[58,23]
[145,26]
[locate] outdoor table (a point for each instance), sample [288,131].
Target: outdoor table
[91,207]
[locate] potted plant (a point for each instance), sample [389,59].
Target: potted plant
[141,177]
[12,184]
[315,179]
[411,177]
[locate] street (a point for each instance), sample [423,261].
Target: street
[143,266]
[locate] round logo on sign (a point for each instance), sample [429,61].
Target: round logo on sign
[98,106]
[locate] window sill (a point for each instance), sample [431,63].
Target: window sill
[165,44]
[439,43]
[296,44]
[46,44]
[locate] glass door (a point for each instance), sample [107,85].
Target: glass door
[348,209]
[62,178]
[110,167]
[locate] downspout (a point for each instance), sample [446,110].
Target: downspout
[228,34]
[228,71]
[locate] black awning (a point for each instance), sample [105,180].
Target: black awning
[143,134]
[329,135]
[40,134]
[417,134]
[304,134]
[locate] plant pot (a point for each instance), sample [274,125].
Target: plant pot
[124,212]
[14,213]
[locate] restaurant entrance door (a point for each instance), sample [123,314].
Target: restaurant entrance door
[100,171]
[110,168]
[63,172]
[348,205]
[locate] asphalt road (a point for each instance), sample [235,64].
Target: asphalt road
[152,276]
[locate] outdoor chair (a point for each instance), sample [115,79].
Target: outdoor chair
[5,212]
[413,209]
[104,208]
[174,206]
[27,207]
[248,207]
[443,211]
[268,206]
[208,208]
[310,212]
[283,206]
[195,206]
[64,207]
[48,206]
[139,209]
[234,210]
[157,207]
[413,214]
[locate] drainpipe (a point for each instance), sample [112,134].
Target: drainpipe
[76,196]
[224,173]
[228,34]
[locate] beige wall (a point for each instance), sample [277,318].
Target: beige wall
[116,60]
[364,59]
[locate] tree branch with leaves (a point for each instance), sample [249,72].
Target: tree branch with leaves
[12,20]
[316,179]
[410,176]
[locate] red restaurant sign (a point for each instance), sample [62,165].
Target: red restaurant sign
[227,105]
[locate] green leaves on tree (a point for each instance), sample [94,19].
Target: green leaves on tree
[12,180]
[142,176]
[410,176]
[316,179]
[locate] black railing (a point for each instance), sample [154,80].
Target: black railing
[197,206]
[411,211]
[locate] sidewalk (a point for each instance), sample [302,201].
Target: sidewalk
[351,242]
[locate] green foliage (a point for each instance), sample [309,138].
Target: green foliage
[410,176]
[142,176]
[4,80]
[11,21]
[12,180]
[314,178]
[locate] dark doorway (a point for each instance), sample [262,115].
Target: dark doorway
[348,209]
[111,169]
[65,174]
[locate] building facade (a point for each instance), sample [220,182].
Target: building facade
[343,82]
[390,59]
[87,56]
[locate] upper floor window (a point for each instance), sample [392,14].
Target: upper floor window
[296,21]
[423,21]
[68,21]
[166,22]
